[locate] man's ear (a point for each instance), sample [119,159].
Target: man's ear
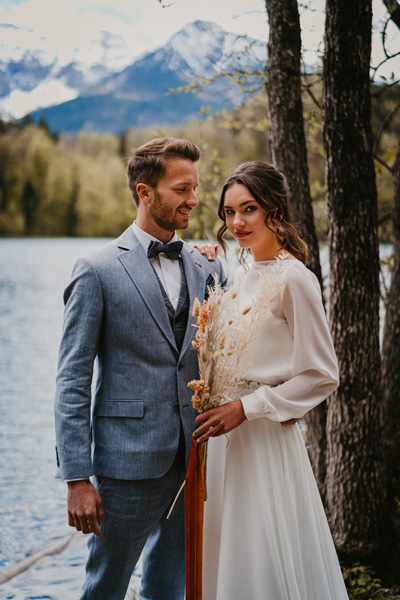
[145,192]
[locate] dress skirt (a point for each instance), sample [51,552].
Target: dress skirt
[266,536]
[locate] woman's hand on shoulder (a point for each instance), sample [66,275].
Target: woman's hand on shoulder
[219,421]
[210,250]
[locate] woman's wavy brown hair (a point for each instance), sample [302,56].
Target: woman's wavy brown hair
[270,189]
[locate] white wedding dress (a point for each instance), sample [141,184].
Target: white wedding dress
[266,536]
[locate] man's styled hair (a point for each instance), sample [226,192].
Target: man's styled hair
[148,163]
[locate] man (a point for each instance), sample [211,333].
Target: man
[129,305]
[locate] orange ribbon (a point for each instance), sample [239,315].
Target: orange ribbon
[194,515]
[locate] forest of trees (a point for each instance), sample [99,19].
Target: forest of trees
[66,186]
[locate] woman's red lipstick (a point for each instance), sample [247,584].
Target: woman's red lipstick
[242,234]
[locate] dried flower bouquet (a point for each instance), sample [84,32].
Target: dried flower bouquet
[225,330]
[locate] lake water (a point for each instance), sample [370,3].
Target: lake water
[33,275]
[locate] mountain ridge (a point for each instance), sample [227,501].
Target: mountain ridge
[139,94]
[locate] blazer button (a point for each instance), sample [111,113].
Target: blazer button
[180,367]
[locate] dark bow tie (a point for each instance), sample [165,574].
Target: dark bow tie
[171,250]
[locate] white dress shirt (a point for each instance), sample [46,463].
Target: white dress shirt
[168,271]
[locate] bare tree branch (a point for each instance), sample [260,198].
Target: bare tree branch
[383,36]
[383,163]
[382,88]
[383,61]
[393,8]
[307,87]
[385,122]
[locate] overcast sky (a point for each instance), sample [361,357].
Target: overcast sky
[62,25]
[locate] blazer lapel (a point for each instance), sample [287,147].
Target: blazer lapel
[196,282]
[140,271]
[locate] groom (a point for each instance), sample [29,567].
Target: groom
[128,305]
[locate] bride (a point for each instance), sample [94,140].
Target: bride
[266,536]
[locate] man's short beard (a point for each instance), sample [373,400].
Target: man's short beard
[162,216]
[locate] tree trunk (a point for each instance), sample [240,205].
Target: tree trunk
[354,473]
[289,153]
[29,202]
[285,109]
[391,378]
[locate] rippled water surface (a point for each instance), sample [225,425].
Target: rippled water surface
[33,274]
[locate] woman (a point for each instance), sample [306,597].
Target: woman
[266,536]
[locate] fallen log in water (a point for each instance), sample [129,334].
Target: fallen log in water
[26,563]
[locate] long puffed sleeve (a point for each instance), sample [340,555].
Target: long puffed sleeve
[313,370]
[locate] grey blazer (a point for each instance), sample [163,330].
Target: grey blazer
[114,311]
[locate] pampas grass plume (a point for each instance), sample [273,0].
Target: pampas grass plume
[203,354]
[225,330]
[196,308]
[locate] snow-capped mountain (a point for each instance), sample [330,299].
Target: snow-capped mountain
[100,97]
[204,48]
[32,76]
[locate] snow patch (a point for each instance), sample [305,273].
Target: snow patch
[20,103]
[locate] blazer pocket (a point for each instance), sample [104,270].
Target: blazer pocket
[120,408]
